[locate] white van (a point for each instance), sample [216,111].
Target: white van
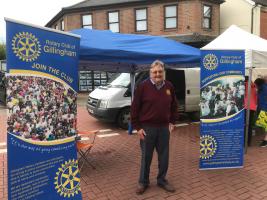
[112,102]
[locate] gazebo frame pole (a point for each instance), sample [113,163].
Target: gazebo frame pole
[248,109]
[132,79]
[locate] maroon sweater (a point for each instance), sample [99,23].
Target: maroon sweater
[153,107]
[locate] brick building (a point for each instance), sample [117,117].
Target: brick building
[194,22]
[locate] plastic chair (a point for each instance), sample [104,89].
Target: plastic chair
[84,143]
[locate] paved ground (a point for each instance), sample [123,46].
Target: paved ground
[117,158]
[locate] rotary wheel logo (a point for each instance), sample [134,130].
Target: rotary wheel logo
[26,46]
[208,146]
[67,179]
[210,62]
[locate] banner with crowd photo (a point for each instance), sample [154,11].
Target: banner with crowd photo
[222,109]
[42,88]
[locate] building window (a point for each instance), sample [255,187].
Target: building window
[62,25]
[141,19]
[114,22]
[207,17]
[170,17]
[56,27]
[87,21]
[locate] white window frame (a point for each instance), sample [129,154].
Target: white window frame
[113,22]
[89,26]
[140,20]
[166,17]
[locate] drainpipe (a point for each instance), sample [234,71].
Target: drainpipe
[252,17]
[249,86]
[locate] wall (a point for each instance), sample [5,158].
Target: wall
[189,19]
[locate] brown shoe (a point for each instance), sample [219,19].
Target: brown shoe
[141,189]
[167,187]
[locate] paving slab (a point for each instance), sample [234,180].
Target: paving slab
[117,162]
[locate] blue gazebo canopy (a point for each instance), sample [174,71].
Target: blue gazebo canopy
[108,51]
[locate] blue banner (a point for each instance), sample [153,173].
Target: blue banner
[222,109]
[42,85]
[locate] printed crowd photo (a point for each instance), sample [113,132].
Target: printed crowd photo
[40,108]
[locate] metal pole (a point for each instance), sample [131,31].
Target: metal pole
[132,79]
[248,109]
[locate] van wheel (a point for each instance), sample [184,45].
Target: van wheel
[124,118]
[194,116]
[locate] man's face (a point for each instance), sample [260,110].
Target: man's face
[157,74]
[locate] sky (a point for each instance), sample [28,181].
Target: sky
[37,12]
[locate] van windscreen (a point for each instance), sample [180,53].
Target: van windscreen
[123,80]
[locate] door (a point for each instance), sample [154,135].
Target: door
[177,78]
[192,90]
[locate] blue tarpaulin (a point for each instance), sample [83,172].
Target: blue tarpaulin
[107,51]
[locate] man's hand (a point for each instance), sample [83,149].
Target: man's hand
[141,134]
[171,127]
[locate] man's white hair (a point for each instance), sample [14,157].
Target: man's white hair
[157,63]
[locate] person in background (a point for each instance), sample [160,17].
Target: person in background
[262,107]
[153,113]
[252,107]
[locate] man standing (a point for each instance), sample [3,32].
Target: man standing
[153,113]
